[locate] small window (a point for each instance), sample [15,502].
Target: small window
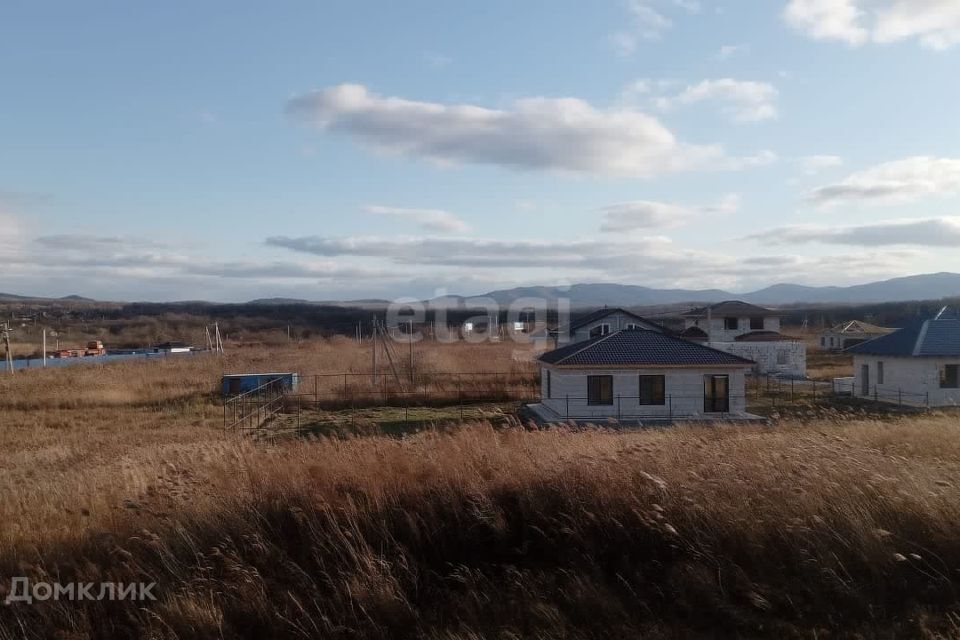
[823,342]
[950,376]
[783,356]
[731,324]
[632,326]
[880,372]
[652,390]
[549,384]
[756,324]
[599,390]
[600,330]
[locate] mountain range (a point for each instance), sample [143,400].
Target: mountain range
[931,286]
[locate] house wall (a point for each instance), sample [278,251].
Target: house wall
[718,333]
[914,377]
[839,341]
[617,322]
[783,357]
[684,392]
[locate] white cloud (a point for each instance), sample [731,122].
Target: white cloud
[936,23]
[900,181]
[436,60]
[927,232]
[647,214]
[565,134]
[647,21]
[728,51]
[813,165]
[745,101]
[644,259]
[428,219]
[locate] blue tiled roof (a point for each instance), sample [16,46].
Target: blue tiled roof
[640,348]
[600,314]
[928,338]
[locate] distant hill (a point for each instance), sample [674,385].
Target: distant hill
[10,297]
[932,286]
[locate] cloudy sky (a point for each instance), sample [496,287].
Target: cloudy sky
[227,150]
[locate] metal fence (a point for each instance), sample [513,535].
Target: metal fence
[630,408]
[773,391]
[253,409]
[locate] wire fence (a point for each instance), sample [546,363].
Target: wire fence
[254,408]
[627,407]
[351,394]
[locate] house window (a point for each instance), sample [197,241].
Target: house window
[549,384]
[823,342]
[632,326]
[716,393]
[731,324]
[880,372]
[756,324]
[783,356]
[652,390]
[599,390]
[600,330]
[950,376]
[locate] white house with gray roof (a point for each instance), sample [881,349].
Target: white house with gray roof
[641,375]
[917,365]
[750,332]
[603,322]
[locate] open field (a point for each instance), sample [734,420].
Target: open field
[821,526]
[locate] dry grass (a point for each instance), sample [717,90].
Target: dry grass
[826,528]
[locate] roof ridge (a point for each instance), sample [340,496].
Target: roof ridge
[921,336]
[588,344]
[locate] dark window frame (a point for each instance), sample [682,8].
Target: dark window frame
[595,391]
[756,323]
[731,323]
[712,403]
[656,393]
[948,381]
[600,330]
[880,372]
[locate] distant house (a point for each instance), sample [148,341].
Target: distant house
[641,374]
[603,322]
[916,365]
[750,332]
[850,333]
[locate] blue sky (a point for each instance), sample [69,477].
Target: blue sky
[333,150]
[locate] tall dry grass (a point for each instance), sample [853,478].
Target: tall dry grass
[807,529]
[827,527]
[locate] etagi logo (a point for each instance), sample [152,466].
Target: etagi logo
[475,320]
[21,590]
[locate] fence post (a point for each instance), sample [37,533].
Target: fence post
[875,394]
[618,407]
[566,414]
[316,390]
[900,396]
[670,402]
[792,398]
[459,397]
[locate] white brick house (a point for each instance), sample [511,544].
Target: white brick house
[641,374]
[918,365]
[603,322]
[750,332]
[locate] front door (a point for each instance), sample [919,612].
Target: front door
[865,380]
[716,394]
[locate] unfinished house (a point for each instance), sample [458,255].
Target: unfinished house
[750,332]
[850,333]
[604,322]
[917,365]
[641,375]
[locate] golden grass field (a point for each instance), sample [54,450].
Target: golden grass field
[824,527]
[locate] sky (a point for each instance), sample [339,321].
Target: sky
[233,150]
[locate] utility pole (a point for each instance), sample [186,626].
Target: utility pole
[410,343]
[5,335]
[44,347]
